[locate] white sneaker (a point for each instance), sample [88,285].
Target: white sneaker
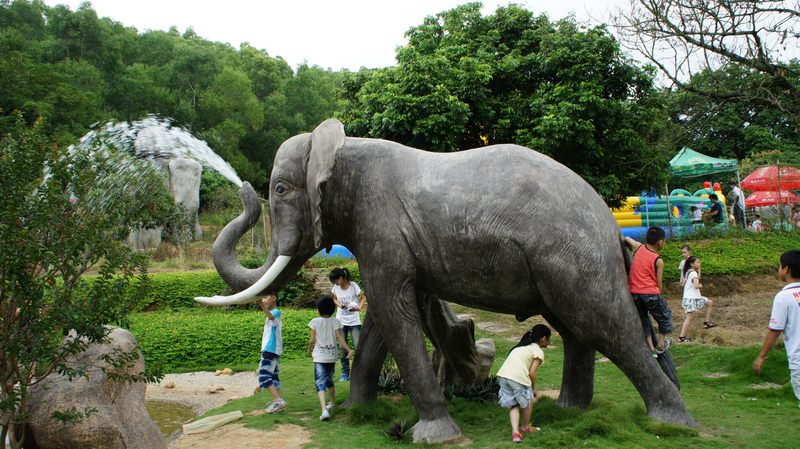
[329,406]
[276,406]
[325,415]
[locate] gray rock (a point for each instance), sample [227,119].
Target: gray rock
[121,420]
[184,185]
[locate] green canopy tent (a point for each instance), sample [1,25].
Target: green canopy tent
[688,165]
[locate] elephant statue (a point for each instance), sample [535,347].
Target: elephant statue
[501,228]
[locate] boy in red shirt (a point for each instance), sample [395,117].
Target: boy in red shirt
[645,284]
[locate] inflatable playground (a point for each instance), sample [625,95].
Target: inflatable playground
[669,212]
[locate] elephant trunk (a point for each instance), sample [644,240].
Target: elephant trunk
[269,278]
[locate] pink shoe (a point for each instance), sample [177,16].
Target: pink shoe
[516,438]
[530,429]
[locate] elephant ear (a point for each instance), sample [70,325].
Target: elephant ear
[326,140]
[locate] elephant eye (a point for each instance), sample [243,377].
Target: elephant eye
[280,189]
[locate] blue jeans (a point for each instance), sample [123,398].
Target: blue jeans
[323,375]
[355,333]
[269,370]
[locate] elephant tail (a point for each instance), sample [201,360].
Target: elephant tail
[626,253]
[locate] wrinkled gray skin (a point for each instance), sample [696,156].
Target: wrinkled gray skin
[501,228]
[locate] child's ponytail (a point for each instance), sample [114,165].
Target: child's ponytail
[688,265]
[338,272]
[535,335]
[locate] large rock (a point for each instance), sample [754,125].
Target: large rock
[184,185]
[121,420]
[447,374]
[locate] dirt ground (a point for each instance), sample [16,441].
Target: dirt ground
[741,309]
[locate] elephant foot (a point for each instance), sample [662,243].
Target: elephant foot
[678,417]
[436,430]
[568,399]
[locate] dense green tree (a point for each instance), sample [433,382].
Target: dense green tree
[465,80]
[732,127]
[76,69]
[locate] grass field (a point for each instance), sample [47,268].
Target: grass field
[720,390]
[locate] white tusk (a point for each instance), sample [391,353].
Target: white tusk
[249,295]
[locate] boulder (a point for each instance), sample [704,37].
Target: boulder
[121,420]
[446,374]
[184,185]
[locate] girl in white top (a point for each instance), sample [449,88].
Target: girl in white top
[692,299]
[349,301]
[517,378]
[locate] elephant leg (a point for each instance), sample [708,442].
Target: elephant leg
[367,363]
[577,383]
[397,315]
[617,333]
[455,339]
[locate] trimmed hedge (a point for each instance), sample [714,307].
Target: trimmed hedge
[205,338]
[177,290]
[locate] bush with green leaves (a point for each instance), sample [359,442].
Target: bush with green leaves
[201,339]
[63,211]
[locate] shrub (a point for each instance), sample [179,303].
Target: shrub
[205,338]
[177,290]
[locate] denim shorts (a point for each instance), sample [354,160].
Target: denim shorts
[514,393]
[268,370]
[323,375]
[656,306]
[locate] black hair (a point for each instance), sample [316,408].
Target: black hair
[758,216]
[731,183]
[686,247]
[325,305]
[688,264]
[337,273]
[791,260]
[535,335]
[713,196]
[693,208]
[655,235]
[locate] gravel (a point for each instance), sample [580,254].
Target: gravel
[203,390]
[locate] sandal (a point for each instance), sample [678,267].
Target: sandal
[530,429]
[709,324]
[685,339]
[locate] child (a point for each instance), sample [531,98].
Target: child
[786,318]
[692,299]
[271,349]
[517,378]
[348,298]
[697,215]
[685,252]
[756,224]
[325,330]
[645,282]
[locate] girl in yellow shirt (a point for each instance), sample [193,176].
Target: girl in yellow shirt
[517,378]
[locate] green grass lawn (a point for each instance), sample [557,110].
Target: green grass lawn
[718,388]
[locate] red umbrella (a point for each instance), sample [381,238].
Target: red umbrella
[766,178]
[759,199]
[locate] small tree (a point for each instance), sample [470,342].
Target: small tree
[63,212]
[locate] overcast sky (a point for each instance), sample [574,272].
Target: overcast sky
[329,33]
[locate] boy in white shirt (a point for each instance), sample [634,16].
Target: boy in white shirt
[325,330]
[786,318]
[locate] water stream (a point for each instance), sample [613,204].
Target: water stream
[157,140]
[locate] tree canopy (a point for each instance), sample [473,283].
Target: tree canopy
[687,38]
[76,69]
[465,80]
